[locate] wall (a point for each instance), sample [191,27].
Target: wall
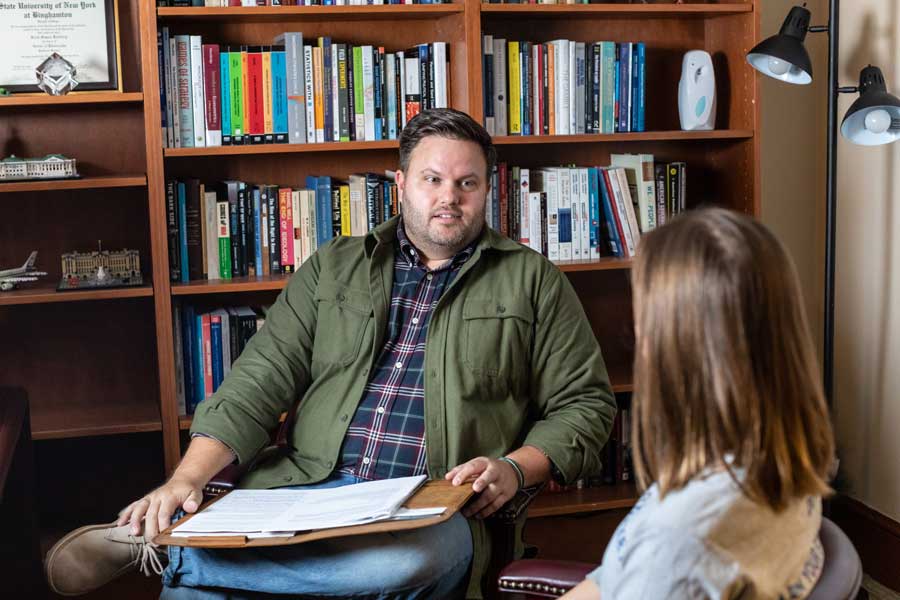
[867,314]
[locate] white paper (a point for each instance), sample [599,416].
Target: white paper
[408,514]
[285,512]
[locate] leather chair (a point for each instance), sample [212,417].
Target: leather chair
[531,579]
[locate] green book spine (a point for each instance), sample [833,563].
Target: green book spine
[223,230]
[359,92]
[235,72]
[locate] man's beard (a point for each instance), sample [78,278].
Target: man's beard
[418,226]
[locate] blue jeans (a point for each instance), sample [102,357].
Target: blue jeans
[429,562]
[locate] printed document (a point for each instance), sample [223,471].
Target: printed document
[264,513]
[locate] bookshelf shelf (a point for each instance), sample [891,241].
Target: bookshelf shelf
[238,284]
[73,98]
[281,148]
[613,10]
[644,136]
[251,14]
[84,183]
[606,497]
[603,264]
[80,420]
[45,293]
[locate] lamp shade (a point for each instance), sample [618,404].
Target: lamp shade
[874,118]
[783,56]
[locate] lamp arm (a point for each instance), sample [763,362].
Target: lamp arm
[818,28]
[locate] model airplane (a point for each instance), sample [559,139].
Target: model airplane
[10,277]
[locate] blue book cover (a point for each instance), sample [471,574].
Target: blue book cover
[257,231]
[225,94]
[386,198]
[608,66]
[328,99]
[187,349]
[161,66]
[199,386]
[324,224]
[624,86]
[634,88]
[279,96]
[565,225]
[378,100]
[642,86]
[594,211]
[215,338]
[182,231]
[609,220]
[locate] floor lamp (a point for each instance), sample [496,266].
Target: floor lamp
[872,120]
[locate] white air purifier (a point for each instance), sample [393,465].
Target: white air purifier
[697,92]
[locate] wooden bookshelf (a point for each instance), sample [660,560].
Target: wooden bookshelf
[42,293]
[251,14]
[570,502]
[101,363]
[82,183]
[30,99]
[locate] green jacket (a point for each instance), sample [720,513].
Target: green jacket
[510,360]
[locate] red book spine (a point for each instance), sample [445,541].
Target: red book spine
[286,229]
[615,210]
[254,64]
[213,87]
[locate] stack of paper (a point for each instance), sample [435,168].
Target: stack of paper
[279,512]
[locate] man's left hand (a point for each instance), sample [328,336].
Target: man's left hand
[495,483]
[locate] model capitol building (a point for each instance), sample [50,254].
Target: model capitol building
[52,166]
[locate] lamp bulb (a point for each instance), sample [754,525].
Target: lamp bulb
[778,66]
[878,121]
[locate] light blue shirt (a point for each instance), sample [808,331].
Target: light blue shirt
[709,540]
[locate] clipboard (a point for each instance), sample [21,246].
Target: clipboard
[436,492]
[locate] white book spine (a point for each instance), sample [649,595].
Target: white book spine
[621,212]
[368,92]
[551,186]
[585,214]
[441,93]
[211,224]
[565,207]
[580,80]
[310,95]
[501,101]
[534,216]
[573,89]
[198,100]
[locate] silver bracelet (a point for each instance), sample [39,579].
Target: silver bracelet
[518,469]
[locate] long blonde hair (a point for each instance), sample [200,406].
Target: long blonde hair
[725,371]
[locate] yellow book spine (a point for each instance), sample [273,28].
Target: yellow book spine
[515,89]
[245,77]
[268,125]
[345,210]
[319,88]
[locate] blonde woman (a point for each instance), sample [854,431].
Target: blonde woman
[732,438]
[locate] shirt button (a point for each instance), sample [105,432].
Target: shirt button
[380,410]
[501,308]
[287,477]
[366,460]
[399,365]
[415,320]
[429,277]
[433,374]
[344,417]
[329,464]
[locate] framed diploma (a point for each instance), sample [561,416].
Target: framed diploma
[84,32]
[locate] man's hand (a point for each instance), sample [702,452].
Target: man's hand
[156,508]
[496,483]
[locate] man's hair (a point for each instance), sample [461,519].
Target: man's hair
[448,123]
[725,371]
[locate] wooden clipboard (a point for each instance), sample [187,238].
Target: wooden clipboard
[436,492]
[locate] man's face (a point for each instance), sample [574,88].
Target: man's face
[443,195]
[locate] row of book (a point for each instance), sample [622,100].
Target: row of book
[235,229]
[291,92]
[584,213]
[563,87]
[206,345]
[227,3]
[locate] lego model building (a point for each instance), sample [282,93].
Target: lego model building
[100,269]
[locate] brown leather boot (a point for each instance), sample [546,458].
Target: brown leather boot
[92,556]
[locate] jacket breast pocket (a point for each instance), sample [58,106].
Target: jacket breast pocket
[343,314]
[498,335]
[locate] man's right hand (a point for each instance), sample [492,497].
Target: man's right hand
[155,509]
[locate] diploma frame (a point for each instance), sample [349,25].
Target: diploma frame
[113,60]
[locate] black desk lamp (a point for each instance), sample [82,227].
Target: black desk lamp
[873,119]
